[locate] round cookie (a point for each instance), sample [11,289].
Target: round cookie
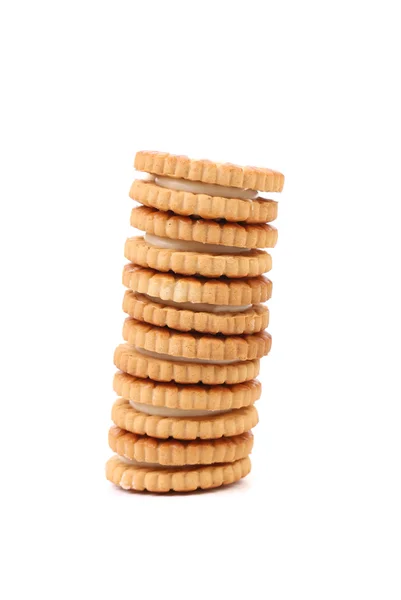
[170,286]
[186,229]
[195,346]
[181,479]
[135,363]
[186,397]
[247,264]
[185,203]
[225,174]
[170,452]
[222,424]
[156,312]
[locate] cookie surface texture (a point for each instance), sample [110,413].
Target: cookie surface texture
[247,264]
[186,397]
[183,479]
[184,203]
[225,424]
[207,171]
[170,452]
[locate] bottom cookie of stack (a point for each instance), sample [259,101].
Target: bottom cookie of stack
[176,466]
[170,437]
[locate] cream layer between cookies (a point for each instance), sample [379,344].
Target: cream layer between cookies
[162,411]
[197,307]
[136,463]
[197,187]
[189,246]
[198,361]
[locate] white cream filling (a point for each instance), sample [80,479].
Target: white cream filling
[198,187]
[199,307]
[183,359]
[185,246]
[150,465]
[162,411]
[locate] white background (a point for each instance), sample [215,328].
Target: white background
[309,88]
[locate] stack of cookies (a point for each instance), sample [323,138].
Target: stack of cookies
[194,335]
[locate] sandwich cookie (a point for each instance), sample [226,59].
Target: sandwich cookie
[191,246]
[173,396]
[221,174]
[199,235]
[207,260]
[164,343]
[188,303]
[205,425]
[140,363]
[203,200]
[144,451]
[200,317]
[181,479]
[197,290]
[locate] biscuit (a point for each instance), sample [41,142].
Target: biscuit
[129,360]
[142,308]
[195,346]
[169,225]
[203,205]
[144,449]
[186,397]
[226,174]
[170,286]
[182,479]
[249,264]
[205,427]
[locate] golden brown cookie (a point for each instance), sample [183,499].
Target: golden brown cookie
[170,286]
[227,174]
[129,360]
[181,479]
[174,227]
[205,206]
[142,308]
[186,397]
[170,452]
[195,346]
[205,427]
[250,263]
